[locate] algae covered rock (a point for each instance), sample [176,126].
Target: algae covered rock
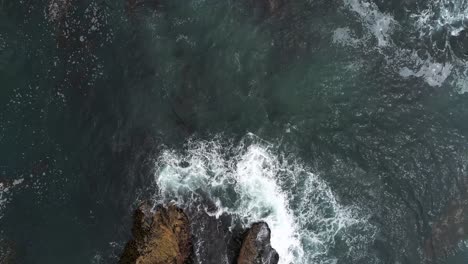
[256,247]
[161,236]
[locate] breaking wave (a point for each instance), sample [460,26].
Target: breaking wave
[440,15]
[251,181]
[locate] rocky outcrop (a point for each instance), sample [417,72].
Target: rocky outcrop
[163,236]
[256,247]
[215,239]
[159,237]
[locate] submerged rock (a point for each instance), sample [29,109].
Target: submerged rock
[447,232]
[266,8]
[7,253]
[256,247]
[271,6]
[159,237]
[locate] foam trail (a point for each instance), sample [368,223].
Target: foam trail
[6,189]
[436,64]
[255,176]
[379,24]
[251,182]
[445,14]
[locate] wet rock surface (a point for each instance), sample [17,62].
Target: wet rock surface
[214,239]
[168,234]
[256,247]
[160,236]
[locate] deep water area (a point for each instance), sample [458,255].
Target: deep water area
[343,124]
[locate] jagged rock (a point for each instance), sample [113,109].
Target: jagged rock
[159,237]
[216,239]
[256,247]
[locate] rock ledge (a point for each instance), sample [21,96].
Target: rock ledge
[159,237]
[163,236]
[256,247]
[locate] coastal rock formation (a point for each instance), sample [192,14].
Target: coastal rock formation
[163,236]
[159,237]
[256,247]
[215,239]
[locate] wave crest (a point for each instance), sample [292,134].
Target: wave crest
[251,181]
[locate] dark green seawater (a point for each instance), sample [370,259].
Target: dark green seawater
[342,123]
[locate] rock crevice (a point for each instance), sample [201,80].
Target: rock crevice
[256,247]
[163,236]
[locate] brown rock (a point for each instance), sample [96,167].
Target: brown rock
[256,247]
[159,237]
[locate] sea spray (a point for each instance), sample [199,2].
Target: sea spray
[426,53]
[252,182]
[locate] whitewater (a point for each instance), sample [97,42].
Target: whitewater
[252,182]
[433,33]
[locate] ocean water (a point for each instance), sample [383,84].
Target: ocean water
[341,123]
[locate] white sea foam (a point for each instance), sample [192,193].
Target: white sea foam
[344,36]
[251,182]
[434,73]
[6,193]
[450,16]
[379,26]
[442,14]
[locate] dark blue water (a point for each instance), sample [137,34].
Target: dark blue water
[341,123]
